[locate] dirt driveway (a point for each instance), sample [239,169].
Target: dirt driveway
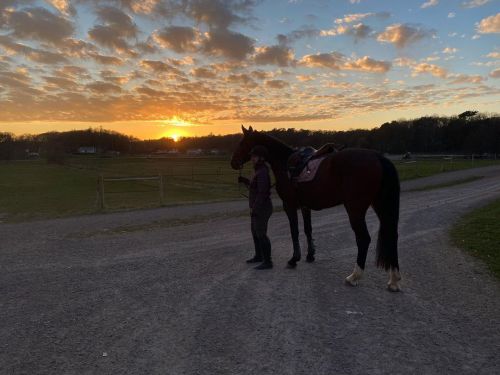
[167,291]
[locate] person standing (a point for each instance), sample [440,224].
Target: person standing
[261,207]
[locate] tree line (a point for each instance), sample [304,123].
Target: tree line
[467,133]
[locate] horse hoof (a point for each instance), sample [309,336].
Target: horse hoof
[393,288]
[310,258]
[351,281]
[292,263]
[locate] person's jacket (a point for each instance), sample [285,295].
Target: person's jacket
[259,196]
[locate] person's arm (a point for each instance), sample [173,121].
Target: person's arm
[263,188]
[243,180]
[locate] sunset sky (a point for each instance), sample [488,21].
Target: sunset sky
[153,68]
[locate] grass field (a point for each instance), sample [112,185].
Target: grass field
[35,189]
[479,234]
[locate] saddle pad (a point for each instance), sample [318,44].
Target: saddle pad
[309,172]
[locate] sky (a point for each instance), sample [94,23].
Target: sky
[154,68]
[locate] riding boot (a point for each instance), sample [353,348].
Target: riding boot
[258,252]
[266,254]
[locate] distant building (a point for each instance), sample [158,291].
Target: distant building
[32,154]
[87,150]
[173,151]
[215,151]
[195,151]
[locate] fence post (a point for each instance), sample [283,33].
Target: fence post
[160,183]
[100,191]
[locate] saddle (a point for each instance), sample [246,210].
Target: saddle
[303,164]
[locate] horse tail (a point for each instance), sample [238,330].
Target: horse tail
[386,206]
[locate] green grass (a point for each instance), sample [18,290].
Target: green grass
[448,184]
[411,170]
[479,234]
[35,189]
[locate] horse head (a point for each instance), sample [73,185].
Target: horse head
[242,153]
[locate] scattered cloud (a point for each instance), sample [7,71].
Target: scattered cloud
[401,35]
[495,73]
[429,3]
[432,69]
[63,6]
[489,25]
[178,38]
[464,78]
[118,27]
[337,61]
[474,3]
[277,84]
[228,44]
[279,55]
[450,50]
[39,24]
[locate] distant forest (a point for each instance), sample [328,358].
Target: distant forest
[468,133]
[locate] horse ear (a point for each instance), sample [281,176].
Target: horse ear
[250,128]
[243,129]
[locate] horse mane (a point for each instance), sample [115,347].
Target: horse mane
[274,145]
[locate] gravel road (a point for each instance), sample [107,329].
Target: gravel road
[167,291]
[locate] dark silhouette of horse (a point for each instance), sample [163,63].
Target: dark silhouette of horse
[356,178]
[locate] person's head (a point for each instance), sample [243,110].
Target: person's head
[258,155]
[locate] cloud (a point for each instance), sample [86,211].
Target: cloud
[277,84]
[337,61]
[366,64]
[430,3]
[402,35]
[106,60]
[293,36]
[63,6]
[241,79]
[451,15]
[333,60]
[118,26]
[432,69]
[218,14]
[61,83]
[494,55]
[160,67]
[474,3]
[464,78]
[33,54]
[274,55]
[450,50]
[100,87]
[204,73]
[39,24]
[489,25]
[228,44]
[348,18]
[178,38]
[495,73]
[358,31]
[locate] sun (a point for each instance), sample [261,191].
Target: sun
[175,137]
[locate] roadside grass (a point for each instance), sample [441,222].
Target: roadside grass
[34,189]
[448,184]
[478,233]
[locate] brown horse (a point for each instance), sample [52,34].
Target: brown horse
[356,178]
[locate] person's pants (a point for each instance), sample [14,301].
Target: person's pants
[260,219]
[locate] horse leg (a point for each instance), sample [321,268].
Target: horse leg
[358,225]
[291,212]
[311,248]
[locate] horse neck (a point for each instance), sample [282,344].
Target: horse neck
[278,154]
